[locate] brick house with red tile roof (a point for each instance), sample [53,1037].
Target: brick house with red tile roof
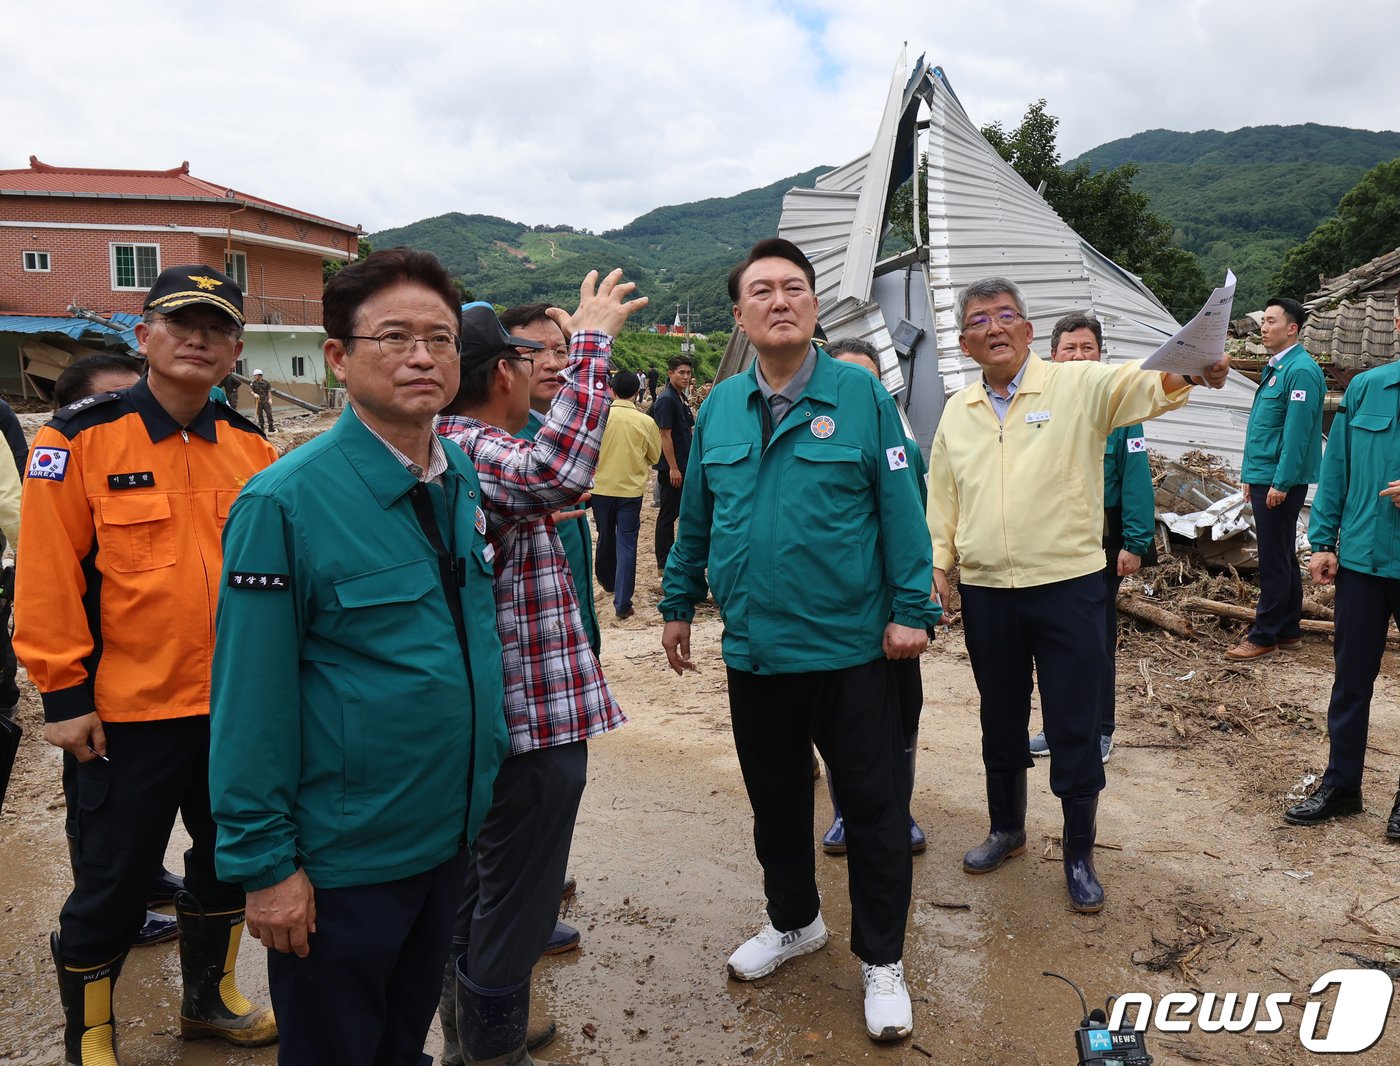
[96,238]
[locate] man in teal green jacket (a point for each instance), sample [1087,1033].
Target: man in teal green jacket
[801,502]
[1282,457]
[1129,513]
[1355,536]
[356,721]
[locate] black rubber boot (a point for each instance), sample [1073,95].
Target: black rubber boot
[212,1004]
[1392,825]
[1006,807]
[834,839]
[1085,892]
[492,1024]
[917,841]
[89,1030]
[447,1006]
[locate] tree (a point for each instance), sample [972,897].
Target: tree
[1366,225]
[331,267]
[1103,209]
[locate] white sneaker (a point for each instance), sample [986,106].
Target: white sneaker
[762,954]
[888,1015]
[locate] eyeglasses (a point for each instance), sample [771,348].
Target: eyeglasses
[982,323]
[213,331]
[520,357]
[399,344]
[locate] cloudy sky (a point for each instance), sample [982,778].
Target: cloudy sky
[590,113]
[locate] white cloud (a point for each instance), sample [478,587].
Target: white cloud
[551,112]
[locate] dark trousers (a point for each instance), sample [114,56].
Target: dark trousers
[853,718]
[615,555]
[1364,606]
[666,517]
[1280,583]
[123,812]
[519,862]
[1055,629]
[9,690]
[366,993]
[1108,699]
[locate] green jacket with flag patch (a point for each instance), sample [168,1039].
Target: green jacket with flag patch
[1283,442]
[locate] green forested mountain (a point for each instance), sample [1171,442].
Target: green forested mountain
[675,254]
[1243,199]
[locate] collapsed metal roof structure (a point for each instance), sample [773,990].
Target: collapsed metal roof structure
[983,219]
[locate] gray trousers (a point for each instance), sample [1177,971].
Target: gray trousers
[511,898]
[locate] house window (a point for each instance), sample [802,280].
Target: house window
[36,262]
[240,368]
[135,266]
[236,267]
[298,366]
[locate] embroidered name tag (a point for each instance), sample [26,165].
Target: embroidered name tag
[141,479]
[1038,416]
[1137,444]
[49,463]
[897,458]
[488,553]
[1298,394]
[243,579]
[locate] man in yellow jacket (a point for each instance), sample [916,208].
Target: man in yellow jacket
[631,444]
[1016,501]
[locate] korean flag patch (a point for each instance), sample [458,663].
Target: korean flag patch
[1137,444]
[49,463]
[898,459]
[1298,394]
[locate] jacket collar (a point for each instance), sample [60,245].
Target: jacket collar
[385,477]
[1032,380]
[158,422]
[821,387]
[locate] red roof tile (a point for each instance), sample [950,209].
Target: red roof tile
[100,181]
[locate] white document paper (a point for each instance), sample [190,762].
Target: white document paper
[1201,342]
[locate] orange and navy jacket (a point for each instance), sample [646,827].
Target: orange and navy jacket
[116,589]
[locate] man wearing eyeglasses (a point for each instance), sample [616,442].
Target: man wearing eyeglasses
[801,512]
[127,494]
[556,698]
[1016,502]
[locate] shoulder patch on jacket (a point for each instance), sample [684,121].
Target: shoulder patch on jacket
[1298,394]
[48,464]
[1137,444]
[89,411]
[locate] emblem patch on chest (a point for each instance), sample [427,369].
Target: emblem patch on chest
[481,521]
[823,426]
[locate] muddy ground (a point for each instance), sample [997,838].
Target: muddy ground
[1208,889]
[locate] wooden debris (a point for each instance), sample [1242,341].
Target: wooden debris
[1246,614]
[1159,617]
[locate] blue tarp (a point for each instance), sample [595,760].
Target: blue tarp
[77,328]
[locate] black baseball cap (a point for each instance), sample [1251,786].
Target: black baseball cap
[483,336]
[182,286]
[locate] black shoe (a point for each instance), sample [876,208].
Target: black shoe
[626,612]
[162,893]
[1392,827]
[563,940]
[1323,805]
[157,929]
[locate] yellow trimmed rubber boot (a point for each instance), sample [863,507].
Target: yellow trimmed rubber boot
[89,1030]
[212,1004]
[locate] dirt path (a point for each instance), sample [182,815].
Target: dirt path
[1209,892]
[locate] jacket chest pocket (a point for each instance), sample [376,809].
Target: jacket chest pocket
[138,532]
[831,471]
[723,465]
[383,608]
[1372,424]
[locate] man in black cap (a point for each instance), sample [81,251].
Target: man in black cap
[128,492]
[555,696]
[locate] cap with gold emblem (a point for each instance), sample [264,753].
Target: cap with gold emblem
[182,286]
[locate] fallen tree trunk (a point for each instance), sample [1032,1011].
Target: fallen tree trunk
[1246,614]
[1159,617]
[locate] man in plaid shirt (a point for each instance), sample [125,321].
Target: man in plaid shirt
[555,694]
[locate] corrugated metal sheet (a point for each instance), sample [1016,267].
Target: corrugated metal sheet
[76,328]
[983,219]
